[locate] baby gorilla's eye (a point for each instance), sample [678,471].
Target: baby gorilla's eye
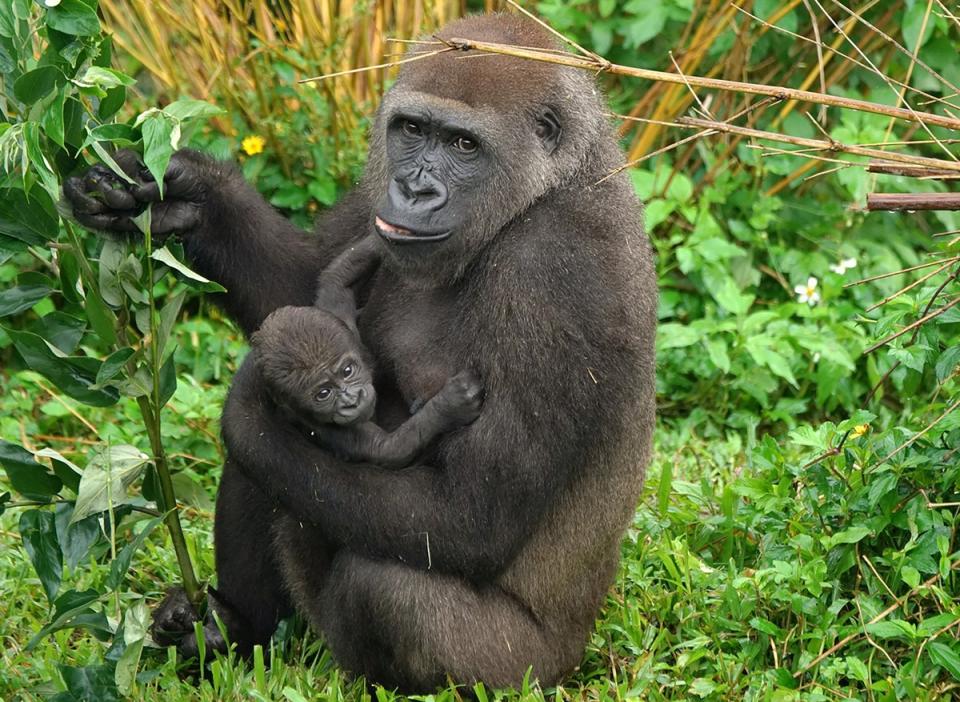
[465,144]
[348,370]
[323,394]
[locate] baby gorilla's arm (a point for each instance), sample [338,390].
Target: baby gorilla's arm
[334,292]
[456,405]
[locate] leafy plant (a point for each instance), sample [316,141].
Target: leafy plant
[103,315]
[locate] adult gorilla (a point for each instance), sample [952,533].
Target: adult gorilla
[503,254]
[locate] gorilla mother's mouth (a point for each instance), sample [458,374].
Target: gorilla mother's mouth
[399,235]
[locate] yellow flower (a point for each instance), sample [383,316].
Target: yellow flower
[860,430]
[253,145]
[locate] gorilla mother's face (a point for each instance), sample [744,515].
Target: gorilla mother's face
[436,164]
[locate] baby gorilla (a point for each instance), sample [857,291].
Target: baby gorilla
[320,374]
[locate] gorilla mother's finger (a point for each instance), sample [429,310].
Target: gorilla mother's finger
[118,223]
[77,195]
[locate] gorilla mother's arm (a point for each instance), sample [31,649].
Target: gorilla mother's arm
[468,516]
[230,233]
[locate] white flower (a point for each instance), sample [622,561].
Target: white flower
[844,265]
[51,3]
[808,293]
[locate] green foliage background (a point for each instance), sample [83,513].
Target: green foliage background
[797,537]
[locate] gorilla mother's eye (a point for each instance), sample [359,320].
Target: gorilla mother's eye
[323,394]
[465,144]
[411,128]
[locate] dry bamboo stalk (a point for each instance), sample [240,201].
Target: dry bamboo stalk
[907,170]
[909,202]
[781,92]
[820,145]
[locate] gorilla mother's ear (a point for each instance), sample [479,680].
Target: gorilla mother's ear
[548,128]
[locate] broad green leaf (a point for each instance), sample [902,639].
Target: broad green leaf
[64,469]
[68,609]
[104,78]
[674,335]
[60,329]
[911,22]
[945,656]
[92,682]
[121,564]
[106,478]
[39,533]
[101,318]
[188,108]
[29,478]
[39,162]
[23,297]
[136,622]
[32,219]
[732,299]
[168,380]
[158,145]
[74,17]
[36,84]
[74,375]
[114,365]
[165,256]
[75,539]
[848,536]
[51,121]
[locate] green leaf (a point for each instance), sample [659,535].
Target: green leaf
[760,350]
[66,470]
[77,538]
[38,160]
[188,108]
[92,682]
[74,375]
[23,297]
[136,622]
[158,145]
[62,330]
[848,536]
[717,349]
[121,564]
[912,20]
[106,478]
[104,78]
[52,118]
[113,365]
[36,84]
[670,336]
[68,608]
[731,299]
[39,532]
[26,476]
[165,256]
[74,17]
[168,380]
[101,318]
[943,655]
[33,220]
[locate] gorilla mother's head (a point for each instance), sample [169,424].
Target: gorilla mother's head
[465,142]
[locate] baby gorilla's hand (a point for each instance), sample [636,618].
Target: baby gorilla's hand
[462,398]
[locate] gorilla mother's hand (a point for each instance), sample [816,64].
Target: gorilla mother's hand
[103,201]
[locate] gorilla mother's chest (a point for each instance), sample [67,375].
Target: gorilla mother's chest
[413,336]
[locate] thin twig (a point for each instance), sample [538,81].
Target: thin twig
[781,92]
[910,327]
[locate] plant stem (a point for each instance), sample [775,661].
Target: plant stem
[151,409]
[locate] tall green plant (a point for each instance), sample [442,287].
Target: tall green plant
[109,310]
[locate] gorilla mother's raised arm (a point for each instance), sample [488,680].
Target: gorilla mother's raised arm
[230,233]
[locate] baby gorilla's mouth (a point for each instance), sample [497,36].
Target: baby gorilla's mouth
[399,235]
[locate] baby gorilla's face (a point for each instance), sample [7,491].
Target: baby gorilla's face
[343,393]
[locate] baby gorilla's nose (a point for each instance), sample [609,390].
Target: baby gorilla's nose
[350,398]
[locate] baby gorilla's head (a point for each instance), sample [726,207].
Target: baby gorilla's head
[314,366]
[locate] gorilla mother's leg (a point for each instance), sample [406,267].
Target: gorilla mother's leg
[251,597]
[408,628]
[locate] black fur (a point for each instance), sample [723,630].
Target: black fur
[495,553]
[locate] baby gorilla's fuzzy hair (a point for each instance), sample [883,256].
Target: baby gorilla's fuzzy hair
[296,348]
